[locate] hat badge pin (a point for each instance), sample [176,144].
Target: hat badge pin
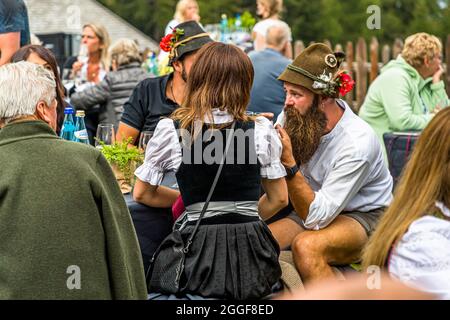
[331,60]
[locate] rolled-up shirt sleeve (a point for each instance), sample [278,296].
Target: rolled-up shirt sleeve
[339,187]
[163,154]
[268,149]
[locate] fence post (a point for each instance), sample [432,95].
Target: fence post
[350,57]
[373,59]
[299,46]
[386,54]
[361,73]
[397,48]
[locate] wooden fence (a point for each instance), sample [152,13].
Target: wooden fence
[365,62]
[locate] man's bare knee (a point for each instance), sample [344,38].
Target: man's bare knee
[284,231]
[307,245]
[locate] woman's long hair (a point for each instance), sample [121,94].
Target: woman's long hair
[221,77]
[426,179]
[45,54]
[101,32]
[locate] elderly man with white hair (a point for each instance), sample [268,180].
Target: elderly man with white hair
[65,231]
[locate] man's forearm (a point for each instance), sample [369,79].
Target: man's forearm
[10,43]
[300,194]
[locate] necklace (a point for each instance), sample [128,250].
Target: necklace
[171,91]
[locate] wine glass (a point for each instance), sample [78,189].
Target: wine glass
[144,139]
[105,134]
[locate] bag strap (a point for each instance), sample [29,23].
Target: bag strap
[205,206]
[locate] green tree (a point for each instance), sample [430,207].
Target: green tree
[335,20]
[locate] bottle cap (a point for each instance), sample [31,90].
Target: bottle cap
[68,110]
[80,113]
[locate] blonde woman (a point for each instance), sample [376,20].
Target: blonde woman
[409,90]
[412,239]
[269,11]
[116,88]
[186,10]
[96,39]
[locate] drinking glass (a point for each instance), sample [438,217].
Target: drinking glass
[144,139]
[105,134]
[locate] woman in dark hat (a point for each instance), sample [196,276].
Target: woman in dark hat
[159,97]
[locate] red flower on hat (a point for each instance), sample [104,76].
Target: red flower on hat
[345,83]
[169,40]
[166,42]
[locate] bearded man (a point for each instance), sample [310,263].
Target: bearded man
[337,179]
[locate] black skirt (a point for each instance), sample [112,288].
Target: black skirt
[237,260]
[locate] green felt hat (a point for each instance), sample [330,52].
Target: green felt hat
[315,69]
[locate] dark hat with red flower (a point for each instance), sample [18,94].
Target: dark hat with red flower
[186,37]
[317,69]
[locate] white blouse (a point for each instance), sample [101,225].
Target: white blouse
[164,153]
[422,258]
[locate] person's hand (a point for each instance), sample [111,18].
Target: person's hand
[76,67]
[287,158]
[268,115]
[437,75]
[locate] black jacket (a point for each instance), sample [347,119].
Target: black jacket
[112,92]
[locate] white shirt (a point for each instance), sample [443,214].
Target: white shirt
[347,172]
[170,26]
[164,152]
[421,259]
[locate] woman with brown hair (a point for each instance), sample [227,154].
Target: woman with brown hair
[412,239]
[42,56]
[233,254]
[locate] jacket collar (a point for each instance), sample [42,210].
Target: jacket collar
[25,130]
[414,74]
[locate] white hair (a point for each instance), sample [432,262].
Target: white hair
[278,34]
[22,86]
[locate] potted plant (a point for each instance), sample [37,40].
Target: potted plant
[123,159]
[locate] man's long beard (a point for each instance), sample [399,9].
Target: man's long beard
[305,130]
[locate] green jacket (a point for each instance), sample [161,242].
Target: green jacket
[394,100]
[65,230]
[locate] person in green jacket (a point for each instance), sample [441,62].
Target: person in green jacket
[409,90]
[65,230]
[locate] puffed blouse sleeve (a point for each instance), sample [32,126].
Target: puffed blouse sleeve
[268,149]
[163,154]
